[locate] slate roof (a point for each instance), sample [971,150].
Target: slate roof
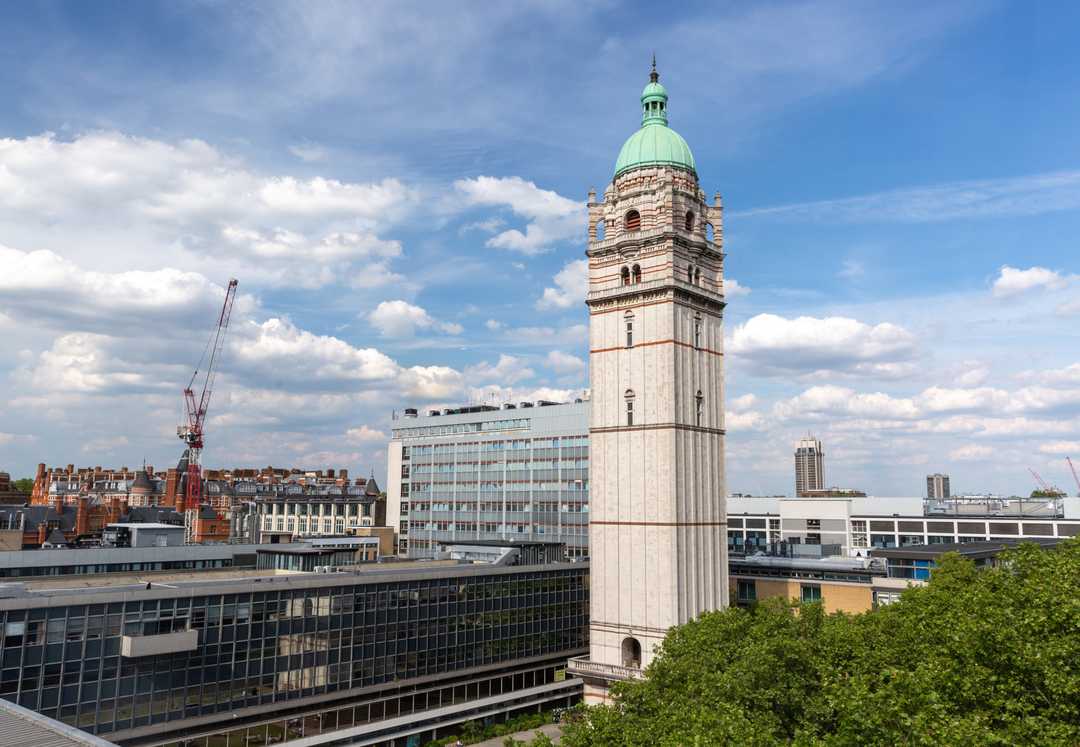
[56,537]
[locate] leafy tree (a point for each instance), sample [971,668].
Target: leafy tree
[24,485]
[975,657]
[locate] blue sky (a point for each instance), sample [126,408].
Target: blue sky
[398,188]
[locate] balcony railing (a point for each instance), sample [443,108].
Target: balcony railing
[655,284]
[582,666]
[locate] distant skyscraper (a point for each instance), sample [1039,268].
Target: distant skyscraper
[809,466]
[937,486]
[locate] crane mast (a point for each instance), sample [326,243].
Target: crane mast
[192,431]
[1076,479]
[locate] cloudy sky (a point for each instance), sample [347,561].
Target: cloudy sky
[399,190]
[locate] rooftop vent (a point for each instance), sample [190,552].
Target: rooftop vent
[526,404]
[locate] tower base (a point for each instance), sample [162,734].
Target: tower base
[597,678]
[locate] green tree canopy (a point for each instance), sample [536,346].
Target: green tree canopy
[975,657]
[24,484]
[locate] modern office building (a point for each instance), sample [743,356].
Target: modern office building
[517,472]
[809,466]
[17,565]
[937,486]
[845,584]
[656,301]
[377,655]
[855,525]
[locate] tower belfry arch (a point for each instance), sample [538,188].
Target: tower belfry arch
[657,530]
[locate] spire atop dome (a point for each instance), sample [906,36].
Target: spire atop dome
[654,99]
[655,143]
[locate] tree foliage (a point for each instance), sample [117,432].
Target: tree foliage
[24,484]
[975,657]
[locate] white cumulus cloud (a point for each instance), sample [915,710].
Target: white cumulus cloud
[971,453]
[571,284]
[564,363]
[806,344]
[403,319]
[551,217]
[1012,281]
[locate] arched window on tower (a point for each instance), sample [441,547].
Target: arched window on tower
[631,653]
[600,229]
[708,232]
[697,331]
[697,276]
[625,276]
[629,320]
[699,407]
[690,274]
[690,220]
[633,221]
[636,274]
[629,396]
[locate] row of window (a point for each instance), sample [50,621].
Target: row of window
[746,593]
[451,428]
[632,222]
[424,450]
[699,407]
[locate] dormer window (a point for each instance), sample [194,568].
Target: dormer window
[633,221]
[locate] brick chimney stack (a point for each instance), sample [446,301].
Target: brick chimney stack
[82,516]
[42,532]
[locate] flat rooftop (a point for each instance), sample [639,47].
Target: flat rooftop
[24,727]
[966,549]
[115,587]
[501,543]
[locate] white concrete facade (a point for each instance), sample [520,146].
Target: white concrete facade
[657,534]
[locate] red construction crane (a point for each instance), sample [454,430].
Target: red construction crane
[1075,478]
[1042,483]
[191,432]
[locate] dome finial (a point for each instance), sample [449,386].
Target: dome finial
[654,76]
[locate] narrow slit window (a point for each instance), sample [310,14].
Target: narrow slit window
[629,407]
[699,407]
[697,333]
[629,319]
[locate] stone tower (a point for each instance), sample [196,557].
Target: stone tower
[657,530]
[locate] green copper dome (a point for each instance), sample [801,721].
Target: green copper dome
[655,144]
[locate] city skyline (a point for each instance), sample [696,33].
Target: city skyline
[412,234]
